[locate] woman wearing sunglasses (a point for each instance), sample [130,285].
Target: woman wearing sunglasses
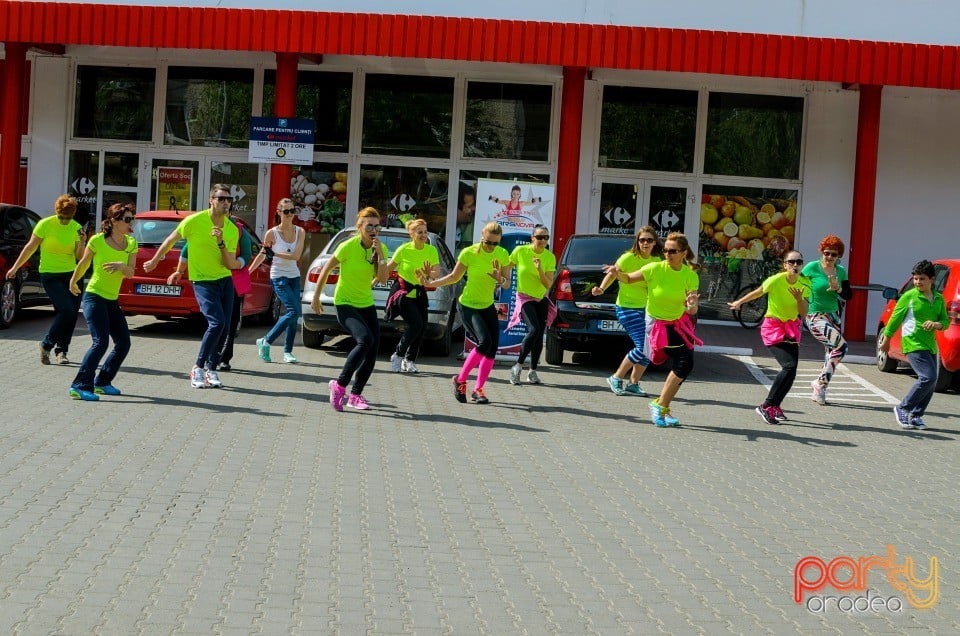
[113,254]
[672,298]
[631,310]
[486,266]
[787,293]
[284,242]
[361,259]
[828,284]
[535,267]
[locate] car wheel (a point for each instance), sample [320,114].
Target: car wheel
[311,339]
[884,362]
[554,350]
[8,303]
[444,344]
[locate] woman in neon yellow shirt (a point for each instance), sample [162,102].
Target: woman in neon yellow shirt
[408,297]
[535,267]
[61,241]
[788,293]
[486,265]
[113,254]
[361,259]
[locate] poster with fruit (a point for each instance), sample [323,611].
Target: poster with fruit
[319,194]
[746,226]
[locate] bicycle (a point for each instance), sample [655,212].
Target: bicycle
[751,314]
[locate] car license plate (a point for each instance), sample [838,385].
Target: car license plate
[610,325]
[387,285]
[149,289]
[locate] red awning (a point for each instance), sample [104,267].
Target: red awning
[483,40]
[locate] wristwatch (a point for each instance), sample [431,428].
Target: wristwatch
[221,245]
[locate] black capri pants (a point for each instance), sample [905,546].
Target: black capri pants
[362,324]
[483,328]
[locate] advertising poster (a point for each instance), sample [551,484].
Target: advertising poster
[518,207]
[281,140]
[174,188]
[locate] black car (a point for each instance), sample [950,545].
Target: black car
[586,322]
[24,290]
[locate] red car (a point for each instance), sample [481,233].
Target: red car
[947,282]
[151,295]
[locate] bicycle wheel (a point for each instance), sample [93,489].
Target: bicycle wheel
[750,314]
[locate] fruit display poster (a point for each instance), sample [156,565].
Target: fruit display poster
[518,207]
[319,194]
[746,227]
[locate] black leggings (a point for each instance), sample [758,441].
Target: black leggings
[534,314]
[362,324]
[415,315]
[787,354]
[680,355]
[483,328]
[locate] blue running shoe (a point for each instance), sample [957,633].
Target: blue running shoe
[86,396]
[106,389]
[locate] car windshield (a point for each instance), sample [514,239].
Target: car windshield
[152,232]
[596,250]
[391,240]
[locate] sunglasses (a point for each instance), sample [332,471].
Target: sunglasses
[129,219]
[222,198]
[794,261]
[287,211]
[370,226]
[542,237]
[831,254]
[671,252]
[486,242]
[646,240]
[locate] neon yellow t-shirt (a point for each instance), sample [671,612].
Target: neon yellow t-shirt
[354,287]
[58,249]
[528,279]
[780,302]
[205,263]
[408,259]
[633,295]
[478,292]
[103,283]
[667,289]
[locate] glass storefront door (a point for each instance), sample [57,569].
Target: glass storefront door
[626,205]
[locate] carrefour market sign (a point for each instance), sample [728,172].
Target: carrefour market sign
[281,140]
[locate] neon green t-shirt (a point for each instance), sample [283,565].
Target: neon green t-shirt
[780,302]
[354,287]
[528,278]
[103,283]
[822,300]
[478,292]
[58,253]
[408,259]
[205,263]
[633,295]
[667,289]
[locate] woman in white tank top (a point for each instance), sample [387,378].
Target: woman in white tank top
[284,243]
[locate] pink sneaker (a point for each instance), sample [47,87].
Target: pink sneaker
[336,395]
[357,402]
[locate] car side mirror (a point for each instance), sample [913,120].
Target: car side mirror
[891,293]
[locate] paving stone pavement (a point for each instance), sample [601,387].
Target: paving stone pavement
[557,509]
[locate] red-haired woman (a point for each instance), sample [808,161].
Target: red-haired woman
[828,284]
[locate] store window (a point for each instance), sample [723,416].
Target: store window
[243,179]
[322,97]
[508,121]
[407,115]
[83,174]
[208,107]
[648,129]
[114,103]
[467,199]
[404,193]
[319,194]
[754,135]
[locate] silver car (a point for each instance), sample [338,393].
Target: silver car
[443,318]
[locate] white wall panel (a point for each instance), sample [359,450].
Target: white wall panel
[50,80]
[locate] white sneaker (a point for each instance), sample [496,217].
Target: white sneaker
[197,379]
[213,380]
[396,363]
[515,373]
[533,378]
[407,366]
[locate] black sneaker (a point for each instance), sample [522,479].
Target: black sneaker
[224,366]
[477,397]
[459,390]
[766,413]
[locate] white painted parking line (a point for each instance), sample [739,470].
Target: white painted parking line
[845,386]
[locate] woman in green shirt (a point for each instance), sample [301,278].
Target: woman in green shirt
[361,259]
[787,294]
[113,254]
[535,267]
[61,241]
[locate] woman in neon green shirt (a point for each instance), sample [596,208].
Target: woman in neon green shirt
[486,265]
[408,297]
[113,254]
[787,304]
[535,267]
[361,259]
[61,241]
